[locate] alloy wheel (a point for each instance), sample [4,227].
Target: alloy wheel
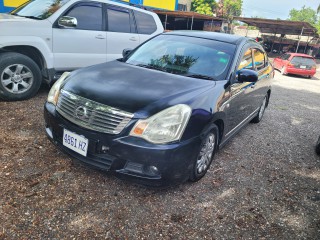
[205,155]
[17,78]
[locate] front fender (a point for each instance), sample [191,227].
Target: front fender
[30,41]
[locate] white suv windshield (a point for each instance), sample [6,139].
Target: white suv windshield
[39,9]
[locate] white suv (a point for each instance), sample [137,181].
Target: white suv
[43,38]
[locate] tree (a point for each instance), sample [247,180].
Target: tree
[232,8]
[306,15]
[203,6]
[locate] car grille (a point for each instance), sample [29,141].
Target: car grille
[92,115]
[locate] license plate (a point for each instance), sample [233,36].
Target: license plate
[75,142]
[304,67]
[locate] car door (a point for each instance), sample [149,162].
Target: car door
[239,105]
[265,71]
[84,44]
[121,31]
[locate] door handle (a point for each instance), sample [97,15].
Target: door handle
[133,39]
[100,37]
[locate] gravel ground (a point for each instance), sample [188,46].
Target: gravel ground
[265,184]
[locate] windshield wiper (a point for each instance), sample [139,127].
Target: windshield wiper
[151,67]
[200,76]
[31,17]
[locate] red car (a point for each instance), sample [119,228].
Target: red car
[296,63]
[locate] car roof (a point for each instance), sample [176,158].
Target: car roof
[120,3]
[221,37]
[299,55]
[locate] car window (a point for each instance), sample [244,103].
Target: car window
[88,15]
[246,61]
[285,56]
[145,23]
[119,20]
[303,61]
[259,59]
[187,56]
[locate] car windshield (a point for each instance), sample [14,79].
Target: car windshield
[303,61]
[187,56]
[39,9]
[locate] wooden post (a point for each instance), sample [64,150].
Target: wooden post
[165,23]
[299,39]
[274,38]
[192,22]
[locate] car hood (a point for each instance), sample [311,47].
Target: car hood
[4,17]
[20,26]
[132,89]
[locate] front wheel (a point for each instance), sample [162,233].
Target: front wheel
[203,161]
[20,77]
[262,109]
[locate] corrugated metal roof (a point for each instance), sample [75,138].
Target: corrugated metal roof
[280,26]
[187,15]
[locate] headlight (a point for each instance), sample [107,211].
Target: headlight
[55,89]
[165,126]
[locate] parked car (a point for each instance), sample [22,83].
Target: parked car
[42,39]
[159,115]
[296,63]
[318,146]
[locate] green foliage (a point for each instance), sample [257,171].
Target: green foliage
[203,6]
[232,8]
[306,15]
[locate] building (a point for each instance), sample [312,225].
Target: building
[173,5]
[8,5]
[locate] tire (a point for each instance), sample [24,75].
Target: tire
[283,72]
[20,77]
[261,111]
[318,147]
[208,148]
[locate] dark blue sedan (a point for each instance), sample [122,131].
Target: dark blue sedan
[158,115]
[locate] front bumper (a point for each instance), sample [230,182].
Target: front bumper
[128,157]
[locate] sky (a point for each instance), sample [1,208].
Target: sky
[274,9]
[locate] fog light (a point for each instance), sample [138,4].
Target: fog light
[104,149]
[151,171]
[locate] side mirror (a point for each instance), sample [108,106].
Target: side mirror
[126,52]
[247,75]
[69,22]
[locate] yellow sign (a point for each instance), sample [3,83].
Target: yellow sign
[169,4]
[13,3]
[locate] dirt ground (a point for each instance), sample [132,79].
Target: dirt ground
[265,184]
